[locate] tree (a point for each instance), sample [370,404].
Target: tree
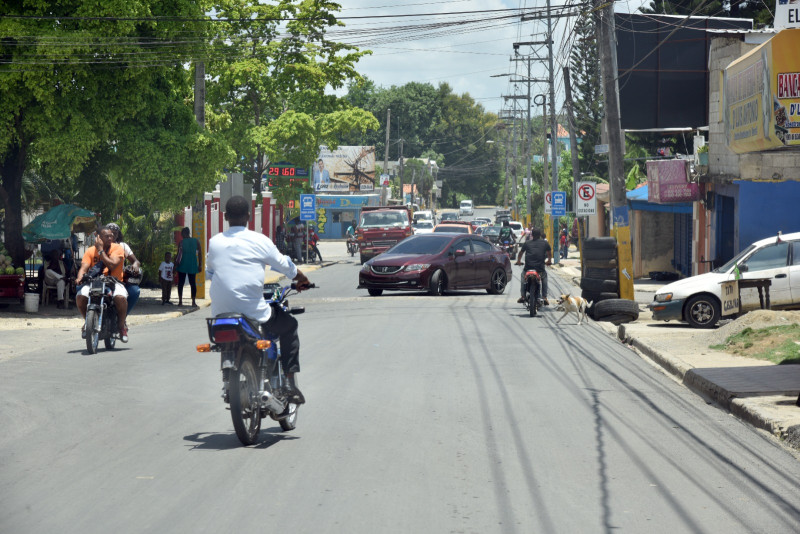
[105,90]
[273,90]
[588,97]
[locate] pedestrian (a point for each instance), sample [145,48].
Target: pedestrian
[563,243]
[188,264]
[298,238]
[55,275]
[313,239]
[280,239]
[165,278]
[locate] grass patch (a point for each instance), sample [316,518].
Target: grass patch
[777,344]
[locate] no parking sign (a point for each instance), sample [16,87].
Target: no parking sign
[585,199]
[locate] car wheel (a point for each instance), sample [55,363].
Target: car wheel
[702,311]
[375,292]
[437,283]
[498,282]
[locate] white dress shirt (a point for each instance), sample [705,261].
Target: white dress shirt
[235,265]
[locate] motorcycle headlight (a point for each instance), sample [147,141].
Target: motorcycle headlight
[416,267]
[663,297]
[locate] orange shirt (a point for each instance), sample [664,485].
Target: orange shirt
[92,256]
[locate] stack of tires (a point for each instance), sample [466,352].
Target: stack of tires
[600,283]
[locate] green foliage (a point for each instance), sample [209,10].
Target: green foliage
[149,236]
[778,344]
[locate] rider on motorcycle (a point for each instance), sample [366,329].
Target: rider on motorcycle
[235,261]
[537,254]
[506,235]
[132,289]
[112,256]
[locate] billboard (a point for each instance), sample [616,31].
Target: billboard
[346,169]
[667,86]
[667,182]
[761,96]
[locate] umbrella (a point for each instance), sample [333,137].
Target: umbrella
[58,223]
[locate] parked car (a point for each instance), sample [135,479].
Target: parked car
[423,227]
[458,227]
[697,300]
[466,208]
[437,263]
[518,229]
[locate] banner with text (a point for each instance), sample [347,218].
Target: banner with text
[348,168]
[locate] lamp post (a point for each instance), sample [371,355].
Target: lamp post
[434,192]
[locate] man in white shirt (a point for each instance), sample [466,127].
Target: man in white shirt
[235,266]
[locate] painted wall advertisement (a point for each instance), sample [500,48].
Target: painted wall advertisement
[346,169]
[761,96]
[667,181]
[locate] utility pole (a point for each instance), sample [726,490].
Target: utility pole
[605,29]
[553,128]
[384,187]
[573,141]
[402,194]
[198,209]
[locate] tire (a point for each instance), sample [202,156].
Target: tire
[600,274]
[375,292]
[599,243]
[618,319]
[596,296]
[702,311]
[437,284]
[92,335]
[110,343]
[498,282]
[599,286]
[605,310]
[245,410]
[533,302]
[600,264]
[600,254]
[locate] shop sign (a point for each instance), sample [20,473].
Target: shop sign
[761,95]
[787,14]
[667,182]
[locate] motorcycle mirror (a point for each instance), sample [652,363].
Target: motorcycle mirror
[297,310]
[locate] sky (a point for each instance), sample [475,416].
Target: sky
[463,54]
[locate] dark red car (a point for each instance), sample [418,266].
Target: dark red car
[437,263]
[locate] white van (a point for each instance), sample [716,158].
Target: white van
[466,208]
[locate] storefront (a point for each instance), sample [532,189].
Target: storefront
[336,212]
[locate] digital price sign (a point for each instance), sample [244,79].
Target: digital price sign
[280,175]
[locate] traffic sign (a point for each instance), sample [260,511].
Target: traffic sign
[586,204]
[558,204]
[308,207]
[548,204]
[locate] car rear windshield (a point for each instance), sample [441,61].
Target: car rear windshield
[428,244]
[492,230]
[456,229]
[382,219]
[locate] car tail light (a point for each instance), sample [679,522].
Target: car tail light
[229,335]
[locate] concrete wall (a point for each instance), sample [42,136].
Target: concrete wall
[653,242]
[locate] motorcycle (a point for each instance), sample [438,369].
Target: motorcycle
[509,248]
[253,379]
[533,292]
[101,314]
[352,246]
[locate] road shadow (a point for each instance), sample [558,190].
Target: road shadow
[216,441]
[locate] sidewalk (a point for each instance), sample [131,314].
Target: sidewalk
[757,392]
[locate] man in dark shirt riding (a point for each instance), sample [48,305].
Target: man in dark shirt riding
[537,254]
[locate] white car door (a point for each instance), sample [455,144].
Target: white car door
[794,273]
[770,261]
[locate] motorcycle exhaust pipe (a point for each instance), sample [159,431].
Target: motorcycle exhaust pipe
[271,403]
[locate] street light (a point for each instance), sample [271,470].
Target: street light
[434,193]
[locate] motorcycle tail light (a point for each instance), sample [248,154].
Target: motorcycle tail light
[263,344]
[228,335]
[205,347]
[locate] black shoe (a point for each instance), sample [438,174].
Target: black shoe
[60,305]
[293,393]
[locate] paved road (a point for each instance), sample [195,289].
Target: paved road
[453,414]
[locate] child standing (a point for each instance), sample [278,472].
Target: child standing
[165,277]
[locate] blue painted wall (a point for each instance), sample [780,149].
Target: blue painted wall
[765,208]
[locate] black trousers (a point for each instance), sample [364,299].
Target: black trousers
[192,283]
[284,325]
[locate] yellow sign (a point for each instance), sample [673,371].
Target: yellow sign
[761,96]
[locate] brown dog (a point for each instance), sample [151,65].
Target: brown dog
[577,305]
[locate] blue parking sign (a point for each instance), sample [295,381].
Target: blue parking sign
[308,207]
[559,204]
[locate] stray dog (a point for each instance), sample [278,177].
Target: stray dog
[577,305]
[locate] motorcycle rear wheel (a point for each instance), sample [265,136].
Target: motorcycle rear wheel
[92,335]
[533,300]
[245,410]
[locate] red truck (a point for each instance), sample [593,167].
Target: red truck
[380,228]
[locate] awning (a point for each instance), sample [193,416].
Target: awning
[59,223]
[637,199]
